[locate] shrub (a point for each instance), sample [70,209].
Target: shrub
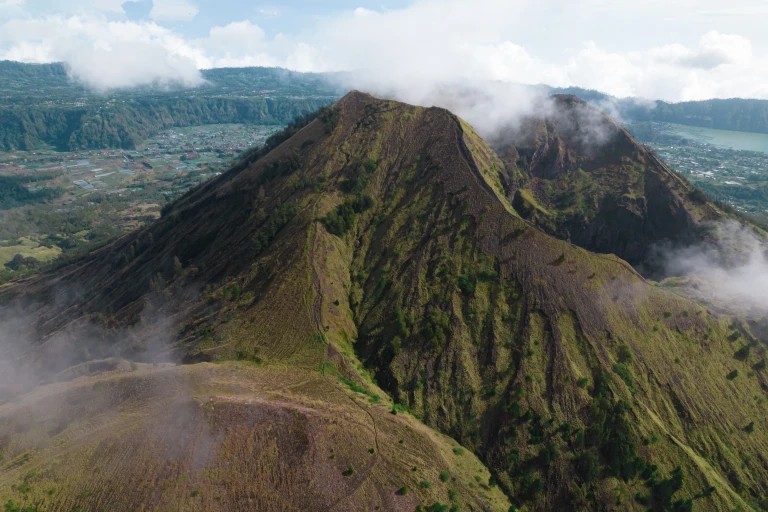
[587,465]
[437,327]
[466,285]
[12,506]
[276,221]
[341,220]
[743,353]
[402,326]
[625,355]
[359,173]
[348,472]
[626,374]
[697,196]
[425,485]
[663,490]
[444,476]
[732,375]
[403,491]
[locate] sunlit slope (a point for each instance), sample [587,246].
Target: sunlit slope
[226,437]
[377,243]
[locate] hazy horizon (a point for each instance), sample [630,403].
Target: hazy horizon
[655,50]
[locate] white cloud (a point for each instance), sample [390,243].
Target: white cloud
[424,45]
[268,11]
[237,44]
[173,10]
[105,54]
[731,273]
[236,35]
[721,65]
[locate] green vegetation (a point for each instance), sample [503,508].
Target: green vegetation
[12,506]
[435,507]
[357,176]
[466,285]
[43,107]
[462,312]
[357,388]
[275,222]
[13,191]
[340,220]
[623,371]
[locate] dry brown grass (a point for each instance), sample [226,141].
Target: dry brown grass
[221,437]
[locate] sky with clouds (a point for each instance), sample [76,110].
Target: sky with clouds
[674,50]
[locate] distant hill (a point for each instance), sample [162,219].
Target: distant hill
[373,265]
[746,115]
[42,106]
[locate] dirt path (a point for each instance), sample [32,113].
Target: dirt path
[361,476]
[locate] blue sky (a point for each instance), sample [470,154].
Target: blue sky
[290,16]
[668,49]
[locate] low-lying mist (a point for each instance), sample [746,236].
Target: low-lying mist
[730,272]
[30,356]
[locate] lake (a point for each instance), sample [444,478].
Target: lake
[742,141]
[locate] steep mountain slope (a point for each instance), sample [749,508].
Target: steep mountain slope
[577,174]
[380,238]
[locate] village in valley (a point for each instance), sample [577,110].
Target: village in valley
[103,193]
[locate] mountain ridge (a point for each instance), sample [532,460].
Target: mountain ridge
[582,177]
[377,241]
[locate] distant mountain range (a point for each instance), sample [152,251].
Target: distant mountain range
[745,115]
[42,107]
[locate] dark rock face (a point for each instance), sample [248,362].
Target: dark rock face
[597,187]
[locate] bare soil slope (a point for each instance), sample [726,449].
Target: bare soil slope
[225,437]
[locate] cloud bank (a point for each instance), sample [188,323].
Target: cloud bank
[731,273]
[427,41]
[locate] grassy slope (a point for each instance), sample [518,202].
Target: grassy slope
[224,437]
[542,315]
[485,327]
[272,309]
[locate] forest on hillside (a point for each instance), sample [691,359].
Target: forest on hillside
[43,107]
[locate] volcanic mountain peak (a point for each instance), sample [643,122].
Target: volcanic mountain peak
[379,249]
[580,176]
